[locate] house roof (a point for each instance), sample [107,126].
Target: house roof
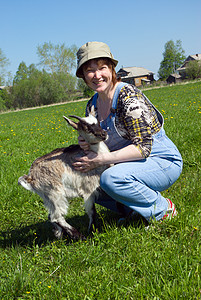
[196,56]
[175,75]
[189,58]
[136,71]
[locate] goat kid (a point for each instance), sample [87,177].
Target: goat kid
[54,179]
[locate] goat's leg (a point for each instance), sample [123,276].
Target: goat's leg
[57,230]
[60,225]
[91,210]
[57,210]
[71,231]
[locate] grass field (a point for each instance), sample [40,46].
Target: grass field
[118,262]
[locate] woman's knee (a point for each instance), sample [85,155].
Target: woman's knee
[106,182]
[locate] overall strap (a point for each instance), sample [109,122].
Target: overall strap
[94,100]
[116,94]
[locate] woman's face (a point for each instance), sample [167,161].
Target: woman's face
[98,76]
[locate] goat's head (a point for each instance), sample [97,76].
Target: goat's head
[89,128]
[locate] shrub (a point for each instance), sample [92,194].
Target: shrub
[5,100]
[193,69]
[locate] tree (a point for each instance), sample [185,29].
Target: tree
[21,74]
[173,57]
[42,88]
[4,62]
[57,58]
[25,72]
[52,84]
[5,100]
[193,69]
[67,81]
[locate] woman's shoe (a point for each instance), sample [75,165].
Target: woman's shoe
[171,211]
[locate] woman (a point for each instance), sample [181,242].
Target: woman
[145,161]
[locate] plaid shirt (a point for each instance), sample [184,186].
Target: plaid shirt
[136,119]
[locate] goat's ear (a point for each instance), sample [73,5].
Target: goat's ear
[71,123]
[92,112]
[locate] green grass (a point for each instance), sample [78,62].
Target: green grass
[118,262]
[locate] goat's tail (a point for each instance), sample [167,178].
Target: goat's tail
[24,181]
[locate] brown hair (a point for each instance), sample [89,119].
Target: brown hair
[102,61]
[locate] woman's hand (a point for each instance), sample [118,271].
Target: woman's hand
[88,162]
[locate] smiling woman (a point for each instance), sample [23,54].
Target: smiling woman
[101,64]
[98,75]
[145,161]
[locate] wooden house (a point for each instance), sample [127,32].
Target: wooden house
[136,75]
[174,78]
[182,70]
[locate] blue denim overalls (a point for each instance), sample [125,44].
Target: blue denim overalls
[137,184]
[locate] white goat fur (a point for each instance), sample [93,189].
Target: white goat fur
[54,179]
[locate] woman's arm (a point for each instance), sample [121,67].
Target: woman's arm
[93,160]
[128,153]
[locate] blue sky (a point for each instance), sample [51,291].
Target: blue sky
[136,31]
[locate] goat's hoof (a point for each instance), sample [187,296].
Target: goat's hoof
[79,236]
[82,238]
[58,233]
[76,235]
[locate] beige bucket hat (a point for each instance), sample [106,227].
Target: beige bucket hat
[92,50]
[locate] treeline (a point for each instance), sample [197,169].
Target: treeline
[41,88]
[37,88]
[48,82]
